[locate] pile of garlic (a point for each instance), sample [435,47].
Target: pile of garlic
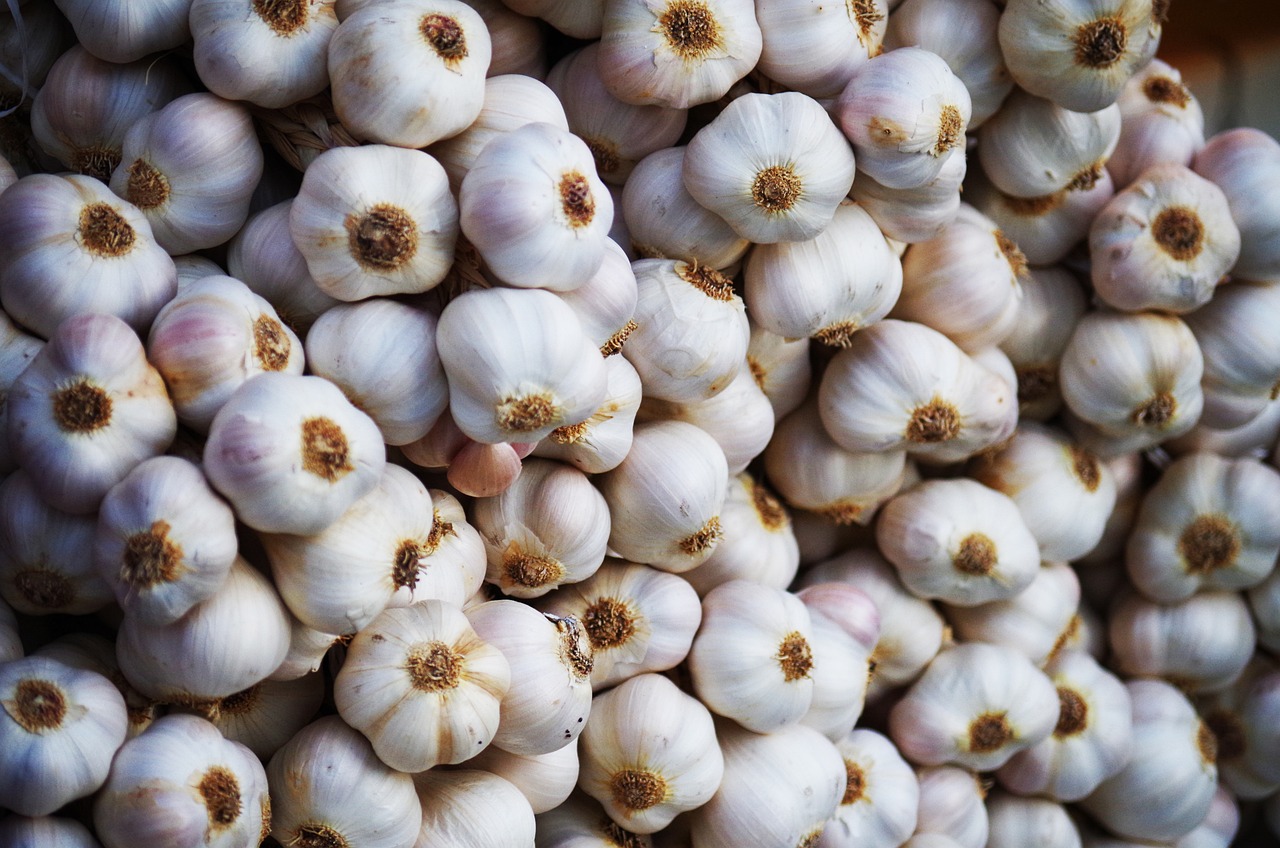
[457,423]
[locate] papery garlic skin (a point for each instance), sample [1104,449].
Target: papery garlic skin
[59,729]
[881,795]
[1052,303]
[781,367]
[759,541]
[952,803]
[976,705]
[1044,228]
[1163,123]
[545,780]
[466,807]
[120,32]
[600,443]
[1039,621]
[815,48]
[45,832]
[1014,819]
[327,781]
[1243,162]
[213,791]
[1241,365]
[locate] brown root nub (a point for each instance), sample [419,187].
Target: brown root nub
[1167,90]
[265,830]
[989,732]
[1229,735]
[773,515]
[325,452]
[1087,178]
[570,433]
[1033,207]
[855,785]
[760,375]
[1179,232]
[406,563]
[434,667]
[811,839]
[1156,412]
[147,187]
[842,512]
[1100,44]
[617,340]
[609,623]
[576,200]
[795,657]
[1036,382]
[839,334]
[383,238]
[312,835]
[81,407]
[976,556]
[97,162]
[1068,634]
[530,570]
[43,588]
[936,421]
[271,345]
[446,37]
[575,652]
[865,15]
[221,793]
[605,152]
[950,130]
[1012,253]
[528,413]
[1073,713]
[691,28]
[776,188]
[617,837]
[1275,393]
[637,790]
[1086,468]
[1211,541]
[285,17]
[707,280]
[150,557]
[104,231]
[241,702]
[38,705]
[705,539]
[439,530]
[1207,743]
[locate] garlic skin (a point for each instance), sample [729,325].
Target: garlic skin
[676,53]
[781,368]
[1039,621]
[1264,602]
[600,443]
[902,140]
[1253,439]
[10,641]
[375,220]
[1205,524]
[649,522]
[59,729]
[1015,819]
[17,349]
[91,652]
[775,186]
[1052,304]
[1240,162]
[1078,54]
[164,540]
[222,646]
[1241,363]
[267,714]
[805,776]
[581,823]
[649,753]
[291,453]
[976,705]
[534,207]
[881,795]
[1133,376]
[118,32]
[815,49]
[1167,787]
[461,808]
[191,167]
[422,686]
[86,410]
[550,527]
[1163,243]
[210,339]
[1162,123]
[1242,720]
[606,302]
[327,781]
[518,364]
[952,802]
[1044,228]
[959,541]
[269,55]
[1091,741]
[45,832]
[759,541]
[545,780]
[1032,147]
[575,18]
[382,354]
[916,214]
[841,670]
[74,247]
[213,790]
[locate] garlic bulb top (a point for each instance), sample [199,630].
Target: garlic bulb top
[123,32]
[815,48]
[1163,123]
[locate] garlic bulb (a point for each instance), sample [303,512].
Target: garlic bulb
[905,113]
[29,50]
[1033,147]
[375,220]
[1163,123]
[17,349]
[213,790]
[1039,621]
[422,686]
[952,802]
[59,729]
[95,653]
[575,18]
[759,542]
[1242,718]
[781,367]
[87,409]
[606,302]
[913,214]
[1241,362]
[1015,819]
[1078,53]
[580,823]
[816,48]
[601,442]
[649,753]
[534,208]
[1052,304]
[901,385]
[1167,786]
[637,619]
[1163,243]
[462,808]
[1264,602]
[516,40]
[551,527]
[45,832]
[327,783]
[665,497]
[382,354]
[1045,228]
[291,453]
[881,795]
[1252,439]
[841,669]
[74,247]
[550,659]
[774,166]
[676,53]
[120,32]
[1240,162]
[545,780]
[518,364]
[976,705]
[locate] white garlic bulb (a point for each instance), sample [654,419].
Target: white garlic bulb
[781,367]
[881,795]
[1052,303]
[1264,602]
[466,807]
[1163,123]
[601,442]
[1241,361]
[545,780]
[606,302]
[1242,162]
[759,541]
[98,654]
[1044,228]
[815,48]
[911,215]
[517,40]
[121,32]
[45,832]
[1039,621]
[267,714]
[1242,718]
[580,823]
[952,803]
[841,666]
[1015,819]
